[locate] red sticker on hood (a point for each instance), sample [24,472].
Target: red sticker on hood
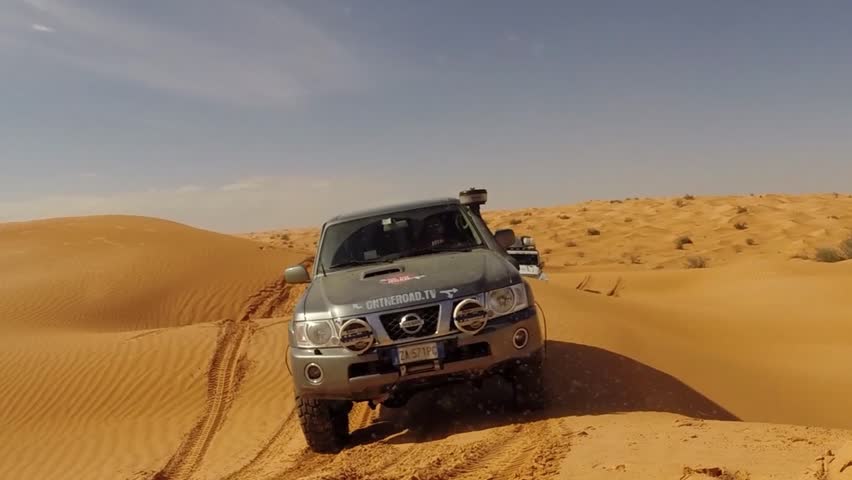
[400,278]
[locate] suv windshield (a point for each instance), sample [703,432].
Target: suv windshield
[397,235]
[525,258]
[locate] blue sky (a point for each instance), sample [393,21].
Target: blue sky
[263,113]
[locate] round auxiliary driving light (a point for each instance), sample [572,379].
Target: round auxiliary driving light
[356,335]
[313,373]
[520,338]
[470,316]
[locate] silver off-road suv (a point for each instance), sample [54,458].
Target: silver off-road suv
[406,298]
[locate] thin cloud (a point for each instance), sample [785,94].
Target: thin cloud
[243,53]
[276,202]
[189,189]
[234,187]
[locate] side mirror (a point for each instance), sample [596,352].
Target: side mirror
[297,274]
[505,237]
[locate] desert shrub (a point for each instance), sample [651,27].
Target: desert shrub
[584,209]
[515,221]
[696,261]
[741,225]
[570,243]
[681,241]
[628,220]
[738,248]
[833,217]
[829,255]
[680,202]
[635,259]
[547,251]
[741,209]
[593,231]
[751,241]
[846,248]
[688,197]
[581,254]
[616,201]
[527,214]
[283,236]
[564,217]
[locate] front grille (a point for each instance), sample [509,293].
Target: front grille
[429,315]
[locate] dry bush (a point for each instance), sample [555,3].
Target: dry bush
[628,220]
[635,259]
[688,197]
[696,261]
[833,217]
[681,241]
[570,243]
[738,248]
[515,221]
[527,214]
[581,254]
[593,231]
[283,236]
[680,202]
[829,255]
[741,225]
[616,201]
[846,248]
[564,217]
[741,209]
[547,251]
[750,241]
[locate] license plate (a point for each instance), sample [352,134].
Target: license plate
[417,353]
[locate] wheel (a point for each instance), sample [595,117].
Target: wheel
[325,423]
[527,378]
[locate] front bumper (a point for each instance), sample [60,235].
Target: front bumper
[347,376]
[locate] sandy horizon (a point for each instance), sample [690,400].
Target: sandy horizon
[140,348]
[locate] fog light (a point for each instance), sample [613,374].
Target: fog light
[520,338]
[313,373]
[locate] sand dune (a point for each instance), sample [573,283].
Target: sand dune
[127,273]
[640,233]
[99,377]
[138,348]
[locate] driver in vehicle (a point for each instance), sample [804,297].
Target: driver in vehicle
[439,231]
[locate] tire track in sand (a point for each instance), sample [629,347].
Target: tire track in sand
[302,462]
[524,451]
[510,452]
[222,382]
[223,377]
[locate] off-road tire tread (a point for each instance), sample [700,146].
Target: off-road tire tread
[324,429]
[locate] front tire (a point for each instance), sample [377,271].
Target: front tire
[325,423]
[527,378]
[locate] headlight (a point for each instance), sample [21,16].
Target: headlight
[504,301]
[316,334]
[501,301]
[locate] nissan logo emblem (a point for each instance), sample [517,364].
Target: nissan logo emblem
[411,323]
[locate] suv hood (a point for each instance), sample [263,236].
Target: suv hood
[405,282]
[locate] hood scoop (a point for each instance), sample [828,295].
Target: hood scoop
[380,271]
